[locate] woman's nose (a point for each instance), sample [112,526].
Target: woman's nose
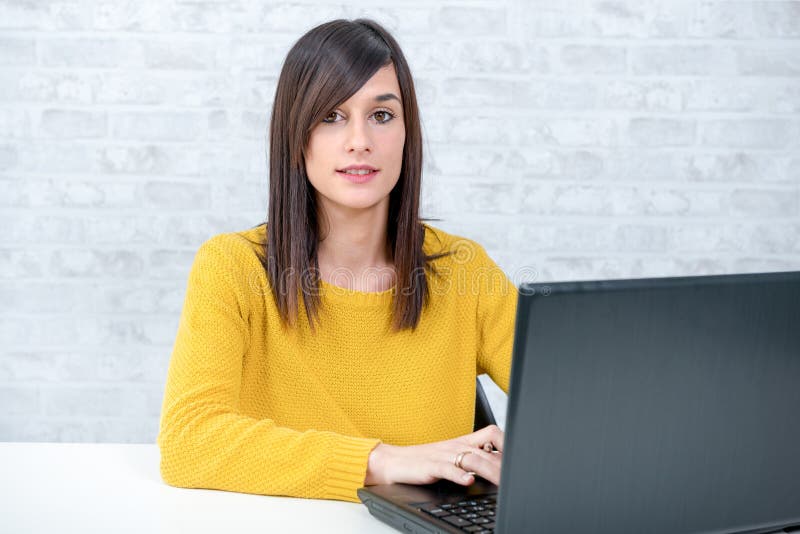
[358,137]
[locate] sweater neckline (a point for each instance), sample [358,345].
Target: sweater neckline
[347,296]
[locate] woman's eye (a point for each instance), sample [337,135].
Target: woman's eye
[383,116]
[331,117]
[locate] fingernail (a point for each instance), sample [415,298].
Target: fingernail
[467,476]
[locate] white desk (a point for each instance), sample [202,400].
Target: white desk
[82,487]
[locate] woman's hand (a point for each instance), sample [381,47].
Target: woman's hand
[425,464]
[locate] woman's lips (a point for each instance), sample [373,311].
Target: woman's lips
[358,178]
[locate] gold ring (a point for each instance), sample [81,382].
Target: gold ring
[459,458]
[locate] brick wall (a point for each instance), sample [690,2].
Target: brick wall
[574,139]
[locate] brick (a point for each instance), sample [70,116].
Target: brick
[569,132]
[683,60]
[170,264]
[176,195]
[703,238]
[737,167]
[766,203]
[476,92]
[592,59]
[71,263]
[43,193]
[24,366]
[18,400]
[661,132]
[500,56]
[41,298]
[15,51]
[635,19]
[15,123]
[129,15]
[73,124]
[9,157]
[768,61]
[722,95]
[16,15]
[82,401]
[150,126]
[641,95]
[173,54]
[83,52]
[746,133]
[130,88]
[638,164]
[550,94]
[462,19]
[17,263]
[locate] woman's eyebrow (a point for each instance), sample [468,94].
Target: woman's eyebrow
[387,96]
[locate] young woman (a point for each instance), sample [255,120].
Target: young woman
[337,345]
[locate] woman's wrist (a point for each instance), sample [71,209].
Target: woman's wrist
[375,465]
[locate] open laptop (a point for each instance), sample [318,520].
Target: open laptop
[664,405]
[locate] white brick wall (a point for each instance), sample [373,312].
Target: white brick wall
[583,139]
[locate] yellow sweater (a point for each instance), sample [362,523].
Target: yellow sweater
[253,407]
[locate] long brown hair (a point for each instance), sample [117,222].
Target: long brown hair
[324,68]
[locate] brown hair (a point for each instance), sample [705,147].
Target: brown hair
[324,68]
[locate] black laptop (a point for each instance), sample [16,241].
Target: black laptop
[664,405]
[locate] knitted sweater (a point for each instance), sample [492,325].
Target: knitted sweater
[254,407]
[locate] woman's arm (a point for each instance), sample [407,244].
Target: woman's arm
[205,442]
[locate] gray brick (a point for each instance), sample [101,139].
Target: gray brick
[15,123]
[42,193]
[742,133]
[592,59]
[129,15]
[704,238]
[16,263]
[778,19]
[18,400]
[15,51]
[636,19]
[72,124]
[719,95]
[661,132]
[129,88]
[682,60]
[737,167]
[41,298]
[152,126]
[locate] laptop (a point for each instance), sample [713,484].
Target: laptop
[662,405]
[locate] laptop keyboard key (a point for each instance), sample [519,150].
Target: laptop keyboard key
[457,521]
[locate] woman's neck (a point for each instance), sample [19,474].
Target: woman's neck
[353,251]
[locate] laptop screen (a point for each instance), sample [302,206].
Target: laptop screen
[665,405]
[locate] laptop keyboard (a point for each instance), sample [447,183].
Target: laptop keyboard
[474,515]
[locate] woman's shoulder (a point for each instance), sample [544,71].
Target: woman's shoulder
[241,246]
[461,249]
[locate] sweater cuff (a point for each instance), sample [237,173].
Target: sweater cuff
[347,468]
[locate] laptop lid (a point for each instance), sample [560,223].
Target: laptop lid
[665,405]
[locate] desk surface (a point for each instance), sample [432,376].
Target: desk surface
[93,487]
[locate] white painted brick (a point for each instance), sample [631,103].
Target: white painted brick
[639,94]
[155,126]
[679,60]
[769,61]
[83,52]
[17,51]
[741,133]
[471,20]
[661,132]
[96,263]
[82,401]
[593,139]
[73,124]
[19,400]
[585,59]
[551,94]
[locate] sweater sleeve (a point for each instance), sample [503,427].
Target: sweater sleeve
[204,441]
[497,308]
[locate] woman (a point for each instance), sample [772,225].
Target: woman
[337,345]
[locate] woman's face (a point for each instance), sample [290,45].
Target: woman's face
[367,130]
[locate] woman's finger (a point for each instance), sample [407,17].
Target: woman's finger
[489,434]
